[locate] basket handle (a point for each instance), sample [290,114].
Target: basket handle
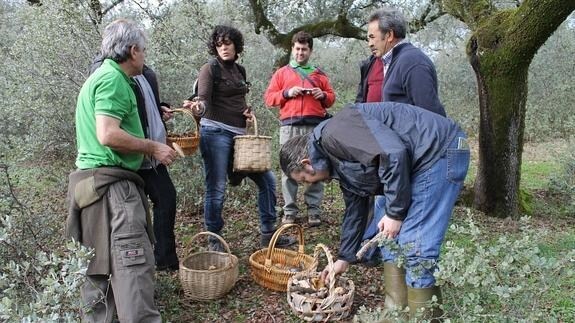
[189,113]
[226,246]
[321,247]
[275,237]
[255,122]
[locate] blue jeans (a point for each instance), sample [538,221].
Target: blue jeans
[434,193]
[217,148]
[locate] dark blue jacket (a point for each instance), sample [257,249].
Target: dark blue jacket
[375,149]
[411,78]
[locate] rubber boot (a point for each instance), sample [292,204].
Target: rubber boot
[418,298]
[395,289]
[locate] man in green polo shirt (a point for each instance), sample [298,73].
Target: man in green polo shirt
[108,208]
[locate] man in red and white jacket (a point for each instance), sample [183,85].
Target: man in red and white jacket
[303,93]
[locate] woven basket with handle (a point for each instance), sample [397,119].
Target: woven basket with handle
[252,153]
[312,301]
[188,141]
[209,274]
[272,267]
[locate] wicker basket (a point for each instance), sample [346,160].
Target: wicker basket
[252,153]
[272,267]
[189,140]
[315,304]
[209,274]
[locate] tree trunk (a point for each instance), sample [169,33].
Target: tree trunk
[502,99]
[500,51]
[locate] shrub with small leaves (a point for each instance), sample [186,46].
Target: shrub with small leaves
[40,276]
[494,278]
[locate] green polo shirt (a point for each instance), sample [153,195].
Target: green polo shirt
[106,92]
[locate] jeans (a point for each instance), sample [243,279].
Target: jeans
[217,148]
[162,193]
[313,192]
[434,193]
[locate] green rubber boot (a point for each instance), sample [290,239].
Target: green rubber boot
[395,289]
[418,298]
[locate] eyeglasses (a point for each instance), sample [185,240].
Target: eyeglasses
[223,42]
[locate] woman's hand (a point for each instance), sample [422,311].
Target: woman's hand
[248,114]
[197,107]
[339,267]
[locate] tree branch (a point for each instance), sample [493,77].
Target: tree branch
[471,12]
[532,30]
[426,17]
[111,6]
[262,22]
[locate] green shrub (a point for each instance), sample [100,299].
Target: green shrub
[562,184]
[488,277]
[39,275]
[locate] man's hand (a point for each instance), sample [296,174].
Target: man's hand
[339,267]
[163,153]
[317,93]
[295,91]
[389,227]
[167,113]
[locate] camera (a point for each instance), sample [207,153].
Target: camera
[306,91]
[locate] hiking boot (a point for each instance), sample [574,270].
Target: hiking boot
[214,244]
[288,219]
[235,179]
[313,220]
[281,242]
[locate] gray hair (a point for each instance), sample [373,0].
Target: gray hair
[118,39]
[390,19]
[292,153]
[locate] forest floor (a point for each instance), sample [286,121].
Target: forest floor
[250,302]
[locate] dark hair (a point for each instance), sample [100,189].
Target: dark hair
[222,32]
[390,19]
[293,152]
[302,37]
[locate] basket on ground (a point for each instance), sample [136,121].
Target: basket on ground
[252,153]
[312,301]
[189,140]
[208,274]
[271,267]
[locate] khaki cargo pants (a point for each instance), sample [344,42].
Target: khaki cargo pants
[313,192]
[129,289]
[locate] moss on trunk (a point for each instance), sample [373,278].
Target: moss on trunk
[500,51]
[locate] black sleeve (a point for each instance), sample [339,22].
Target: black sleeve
[364,67]
[152,79]
[359,95]
[353,225]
